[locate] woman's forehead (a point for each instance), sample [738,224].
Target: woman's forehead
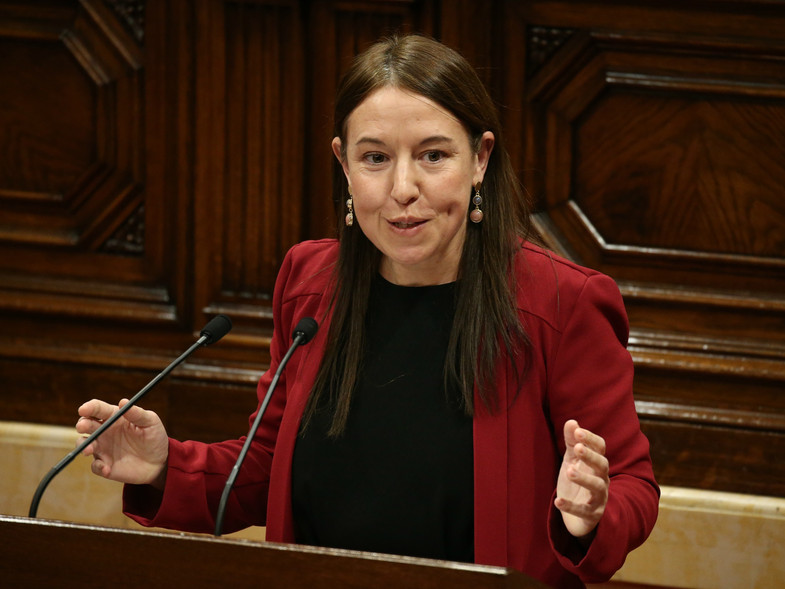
[392,109]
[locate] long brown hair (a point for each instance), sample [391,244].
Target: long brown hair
[486,323]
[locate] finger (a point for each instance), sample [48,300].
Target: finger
[565,505]
[595,461]
[570,427]
[96,409]
[138,416]
[100,468]
[572,507]
[92,449]
[89,450]
[583,510]
[591,440]
[87,425]
[595,484]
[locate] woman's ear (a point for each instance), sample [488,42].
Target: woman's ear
[336,145]
[487,142]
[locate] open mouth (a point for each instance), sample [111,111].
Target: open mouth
[402,225]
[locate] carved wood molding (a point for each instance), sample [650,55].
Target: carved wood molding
[155,171]
[72,179]
[129,238]
[650,149]
[264,99]
[542,43]
[655,191]
[132,14]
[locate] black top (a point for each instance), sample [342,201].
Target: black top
[400,480]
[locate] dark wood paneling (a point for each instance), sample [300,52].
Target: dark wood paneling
[187,560]
[249,114]
[652,141]
[157,159]
[160,164]
[72,168]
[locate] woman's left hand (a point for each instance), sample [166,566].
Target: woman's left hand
[582,488]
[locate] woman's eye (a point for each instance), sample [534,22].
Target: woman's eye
[375,158]
[434,156]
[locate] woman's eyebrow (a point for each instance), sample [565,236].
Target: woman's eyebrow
[436,139]
[371,140]
[426,141]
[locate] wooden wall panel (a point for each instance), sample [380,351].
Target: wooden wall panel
[157,159]
[175,178]
[72,160]
[74,255]
[653,135]
[249,145]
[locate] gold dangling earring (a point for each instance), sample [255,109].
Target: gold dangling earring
[476,214]
[350,214]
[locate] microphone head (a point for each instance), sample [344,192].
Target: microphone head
[215,329]
[306,329]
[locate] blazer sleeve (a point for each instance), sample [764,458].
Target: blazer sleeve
[591,381]
[197,472]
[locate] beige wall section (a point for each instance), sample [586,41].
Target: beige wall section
[703,539]
[29,451]
[712,540]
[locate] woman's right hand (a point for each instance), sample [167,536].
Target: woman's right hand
[134,450]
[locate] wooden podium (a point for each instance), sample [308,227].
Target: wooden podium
[44,553]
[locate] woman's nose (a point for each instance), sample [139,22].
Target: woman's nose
[405,187]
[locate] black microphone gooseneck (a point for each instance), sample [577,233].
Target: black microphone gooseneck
[302,334]
[215,329]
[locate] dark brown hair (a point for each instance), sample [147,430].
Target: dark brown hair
[486,323]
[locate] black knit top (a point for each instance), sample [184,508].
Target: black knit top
[400,479]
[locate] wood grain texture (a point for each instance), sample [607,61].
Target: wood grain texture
[158,159]
[202,561]
[652,152]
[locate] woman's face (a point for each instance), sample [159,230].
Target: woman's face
[411,170]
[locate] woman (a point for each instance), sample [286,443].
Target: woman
[468,395]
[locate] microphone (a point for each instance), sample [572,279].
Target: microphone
[302,334]
[215,329]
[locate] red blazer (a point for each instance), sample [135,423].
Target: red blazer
[580,369]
